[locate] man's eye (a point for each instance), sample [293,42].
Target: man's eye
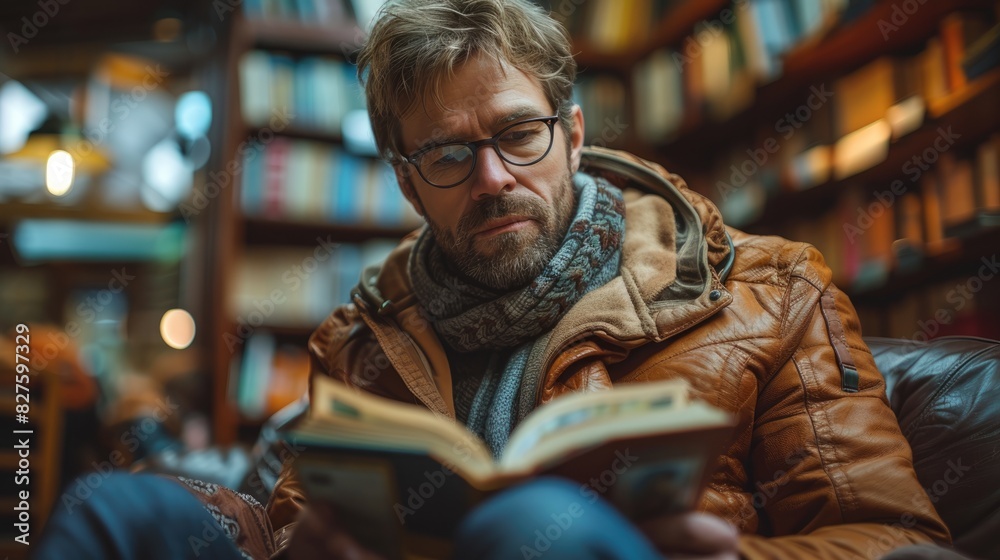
[517,135]
[447,157]
[444,160]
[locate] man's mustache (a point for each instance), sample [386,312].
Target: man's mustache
[498,207]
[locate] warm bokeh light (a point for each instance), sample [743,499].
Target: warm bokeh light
[167,29]
[59,171]
[177,328]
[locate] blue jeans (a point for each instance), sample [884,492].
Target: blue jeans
[549,518]
[152,518]
[133,516]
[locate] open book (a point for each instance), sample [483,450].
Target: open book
[401,478]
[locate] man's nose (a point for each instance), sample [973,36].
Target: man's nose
[491,176]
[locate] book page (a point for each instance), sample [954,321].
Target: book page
[340,414]
[580,410]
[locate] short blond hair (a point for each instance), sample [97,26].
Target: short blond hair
[414,44]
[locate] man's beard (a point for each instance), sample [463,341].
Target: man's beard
[517,257]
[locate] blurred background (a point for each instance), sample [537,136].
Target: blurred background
[188,187]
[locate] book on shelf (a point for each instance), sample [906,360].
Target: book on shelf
[958,200]
[317,91]
[908,246]
[982,55]
[272,375]
[959,31]
[299,286]
[318,182]
[988,174]
[863,96]
[603,100]
[401,477]
[307,12]
[934,70]
[659,96]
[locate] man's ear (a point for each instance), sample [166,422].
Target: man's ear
[576,138]
[406,185]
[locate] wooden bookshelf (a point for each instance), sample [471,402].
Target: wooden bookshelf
[963,257]
[671,29]
[972,113]
[262,231]
[236,234]
[845,48]
[698,148]
[293,36]
[300,132]
[11,212]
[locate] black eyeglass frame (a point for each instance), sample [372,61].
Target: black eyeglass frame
[475,146]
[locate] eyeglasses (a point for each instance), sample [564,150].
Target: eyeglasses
[448,165]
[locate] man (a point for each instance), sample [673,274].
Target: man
[537,277]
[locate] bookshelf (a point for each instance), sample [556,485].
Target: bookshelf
[286,196]
[668,30]
[889,267]
[972,111]
[12,212]
[847,47]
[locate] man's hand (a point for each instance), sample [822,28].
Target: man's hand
[693,535]
[319,535]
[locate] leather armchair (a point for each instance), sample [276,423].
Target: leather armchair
[946,395]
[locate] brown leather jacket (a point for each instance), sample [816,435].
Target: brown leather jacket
[818,468]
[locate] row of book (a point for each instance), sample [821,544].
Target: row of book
[281,293]
[841,129]
[318,182]
[299,286]
[617,25]
[271,373]
[603,100]
[874,230]
[320,92]
[714,73]
[314,12]
[951,307]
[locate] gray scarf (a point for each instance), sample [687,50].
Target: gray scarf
[470,317]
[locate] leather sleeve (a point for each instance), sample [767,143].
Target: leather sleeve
[340,345]
[286,503]
[288,499]
[833,474]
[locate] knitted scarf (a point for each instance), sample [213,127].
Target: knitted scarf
[516,324]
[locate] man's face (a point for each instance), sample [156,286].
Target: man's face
[504,223]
